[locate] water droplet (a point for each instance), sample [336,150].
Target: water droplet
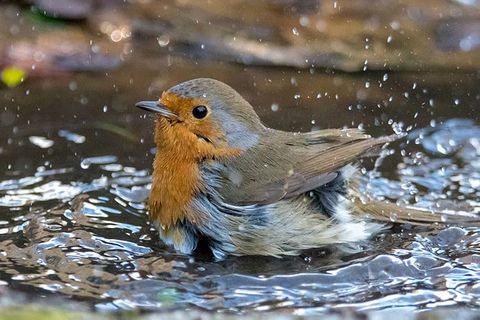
[304,21]
[393,216]
[85,164]
[397,127]
[116,35]
[440,148]
[71,136]
[163,40]
[73,85]
[395,25]
[41,142]
[274,107]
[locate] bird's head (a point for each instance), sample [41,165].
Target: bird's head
[203,111]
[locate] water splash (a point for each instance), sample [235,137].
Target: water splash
[86,236]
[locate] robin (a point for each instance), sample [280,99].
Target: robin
[221,176]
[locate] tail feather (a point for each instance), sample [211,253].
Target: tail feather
[391,212]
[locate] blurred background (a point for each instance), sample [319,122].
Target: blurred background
[75,154]
[311,60]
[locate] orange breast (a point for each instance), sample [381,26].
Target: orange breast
[175,176]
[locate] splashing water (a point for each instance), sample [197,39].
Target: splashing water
[87,237]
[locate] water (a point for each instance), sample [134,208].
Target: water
[74,177]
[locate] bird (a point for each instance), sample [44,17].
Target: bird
[222,178]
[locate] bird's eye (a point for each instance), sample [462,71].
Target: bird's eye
[200,112]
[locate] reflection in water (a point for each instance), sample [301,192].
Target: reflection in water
[87,237]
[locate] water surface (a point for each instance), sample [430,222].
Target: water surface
[75,165]
[76,168]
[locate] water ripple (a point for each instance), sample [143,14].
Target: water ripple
[81,231]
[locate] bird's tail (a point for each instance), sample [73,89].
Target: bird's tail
[391,212]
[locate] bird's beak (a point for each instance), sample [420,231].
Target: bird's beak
[155,106]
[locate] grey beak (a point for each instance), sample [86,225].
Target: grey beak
[157,107]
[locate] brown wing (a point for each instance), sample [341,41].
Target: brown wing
[295,164]
[340,154]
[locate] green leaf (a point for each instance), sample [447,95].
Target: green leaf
[13,76]
[38,16]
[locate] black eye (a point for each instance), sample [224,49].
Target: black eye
[200,112]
